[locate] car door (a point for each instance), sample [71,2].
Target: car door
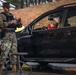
[58,42]
[44,41]
[67,43]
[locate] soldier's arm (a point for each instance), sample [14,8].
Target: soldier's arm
[3,21]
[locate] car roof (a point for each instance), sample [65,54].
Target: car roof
[67,6]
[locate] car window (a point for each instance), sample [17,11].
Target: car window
[45,21]
[71,18]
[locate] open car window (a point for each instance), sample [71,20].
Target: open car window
[44,22]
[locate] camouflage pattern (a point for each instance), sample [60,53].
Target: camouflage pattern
[2,18]
[9,44]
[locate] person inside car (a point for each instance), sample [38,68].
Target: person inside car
[54,22]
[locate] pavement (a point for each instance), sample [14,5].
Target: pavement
[38,72]
[33,73]
[41,71]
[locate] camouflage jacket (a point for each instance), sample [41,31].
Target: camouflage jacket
[5,20]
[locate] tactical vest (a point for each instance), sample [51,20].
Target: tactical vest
[9,16]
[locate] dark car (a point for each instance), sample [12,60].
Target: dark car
[50,45]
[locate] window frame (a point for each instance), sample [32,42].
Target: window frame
[59,11]
[68,10]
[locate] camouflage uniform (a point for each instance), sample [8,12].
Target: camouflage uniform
[9,44]
[9,41]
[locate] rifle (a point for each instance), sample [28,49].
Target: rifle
[18,24]
[12,26]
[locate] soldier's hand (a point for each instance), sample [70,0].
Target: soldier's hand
[13,22]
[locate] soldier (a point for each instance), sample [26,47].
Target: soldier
[9,41]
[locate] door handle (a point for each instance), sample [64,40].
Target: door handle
[68,33]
